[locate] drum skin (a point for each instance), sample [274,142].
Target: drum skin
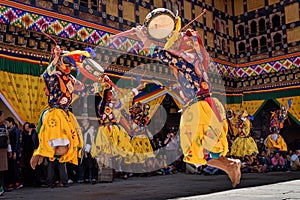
[160,23]
[91,69]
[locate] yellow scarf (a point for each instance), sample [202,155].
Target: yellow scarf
[174,37]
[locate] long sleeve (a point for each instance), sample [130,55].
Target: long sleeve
[13,140]
[231,123]
[9,149]
[51,80]
[87,89]
[17,131]
[35,139]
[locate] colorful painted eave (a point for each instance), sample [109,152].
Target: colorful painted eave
[39,11]
[32,18]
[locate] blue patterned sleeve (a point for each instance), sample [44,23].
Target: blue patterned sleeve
[89,89]
[50,77]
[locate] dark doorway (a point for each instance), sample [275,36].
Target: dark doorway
[242,48]
[262,119]
[241,30]
[260,125]
[276,21]
[277,40]
[253,27]
[263,44]
[217,24]
[254,44]
[262,24]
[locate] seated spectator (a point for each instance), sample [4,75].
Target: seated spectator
[245,164]
[288,159]
[256,165]
[278,163]
[210,170]
[264,162]
[169,169]
[192,169]
[253,163]
[295,164]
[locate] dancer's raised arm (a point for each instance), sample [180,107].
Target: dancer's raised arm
[139,31]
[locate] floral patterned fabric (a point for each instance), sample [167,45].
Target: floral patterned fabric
[59,87]
[243,144]
[202,133]
[275,142]
[58,124]
[203,125]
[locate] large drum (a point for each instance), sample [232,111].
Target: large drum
[160,23]
[91,69]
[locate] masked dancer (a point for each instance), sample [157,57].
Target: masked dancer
[244,144]
[60,137]
[274,140]
[203,125]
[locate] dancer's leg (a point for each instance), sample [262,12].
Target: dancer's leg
[231,166]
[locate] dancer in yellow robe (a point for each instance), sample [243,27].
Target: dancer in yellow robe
[112,142]
[139,131]
[58,131]
[244,144]
[274,140]
[203,125]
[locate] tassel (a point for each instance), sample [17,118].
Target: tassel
[91,51]
[174,37]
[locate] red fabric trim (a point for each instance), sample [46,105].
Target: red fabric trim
[213,106]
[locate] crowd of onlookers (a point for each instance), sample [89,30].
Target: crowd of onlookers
[24,140]
[263,162]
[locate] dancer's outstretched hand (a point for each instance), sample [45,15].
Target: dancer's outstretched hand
[139,31]
[56,53]
[36,160]
[127,33]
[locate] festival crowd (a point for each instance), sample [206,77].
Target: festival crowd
[59,150]
[24,140]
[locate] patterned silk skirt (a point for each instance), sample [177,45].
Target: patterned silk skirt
[59,128]
[243,146]
[202,133]
[275,142]
[112,141]
[142,148]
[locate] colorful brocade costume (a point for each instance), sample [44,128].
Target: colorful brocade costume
[112,140]
[243,144]
[116,136]
[203,125]
[274,140]
[140,137]
[58,126]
